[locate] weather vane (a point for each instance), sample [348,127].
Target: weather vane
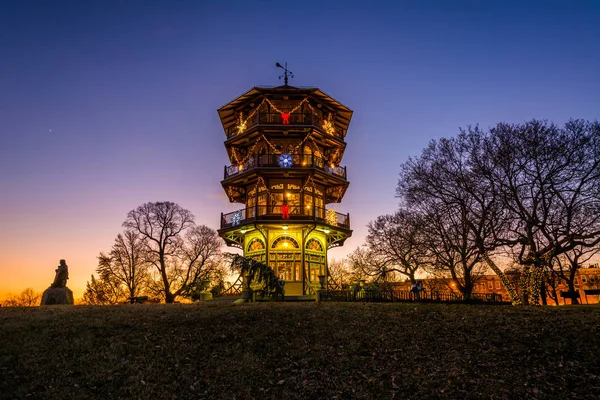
[286,72]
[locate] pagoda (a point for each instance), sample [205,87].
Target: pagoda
[285,145]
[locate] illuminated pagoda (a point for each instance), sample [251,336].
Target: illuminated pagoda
[285,145]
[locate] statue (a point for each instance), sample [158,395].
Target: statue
[62,274]
[58,292]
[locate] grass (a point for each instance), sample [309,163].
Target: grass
[299,351]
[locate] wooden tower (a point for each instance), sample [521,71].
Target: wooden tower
[285,146]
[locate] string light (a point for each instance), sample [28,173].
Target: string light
[507,284]
[331,217]
[328,125]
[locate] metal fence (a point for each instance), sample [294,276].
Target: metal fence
[395,295]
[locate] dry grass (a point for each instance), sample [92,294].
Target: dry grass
[294,351]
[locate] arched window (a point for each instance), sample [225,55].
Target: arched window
[256,245]
[285,242]
[314,245]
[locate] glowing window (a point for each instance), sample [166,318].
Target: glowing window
[315,245]
[255,245]
[285,242]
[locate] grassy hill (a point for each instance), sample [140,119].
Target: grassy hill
[299,351]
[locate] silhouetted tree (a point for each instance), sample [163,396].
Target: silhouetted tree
[396,244]
[531,187]
[126,264]
[27,298]
[549,181]
[182,252]
[103,291]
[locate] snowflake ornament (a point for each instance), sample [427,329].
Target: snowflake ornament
[236,218]
[285,160]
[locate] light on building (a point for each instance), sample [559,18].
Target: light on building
[243,231]
[284,227]
[326,230]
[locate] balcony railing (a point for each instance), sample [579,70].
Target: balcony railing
[296,213]
[294,119]
[272,160]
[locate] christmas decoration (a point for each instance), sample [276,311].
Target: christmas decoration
[328,125]
[285,160]
[241,125]
[236,218]
[285,118]
[331,217]
[285,211]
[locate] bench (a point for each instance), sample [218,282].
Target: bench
[570,295]
[591,292]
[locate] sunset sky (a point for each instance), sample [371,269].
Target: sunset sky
[106,105]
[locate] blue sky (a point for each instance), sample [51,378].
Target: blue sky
[105,105]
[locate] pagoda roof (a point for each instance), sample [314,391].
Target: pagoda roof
[228,112]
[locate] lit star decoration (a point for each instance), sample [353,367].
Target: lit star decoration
[236,218]
[285,160]
[242,124]
[331,217]
[328,125]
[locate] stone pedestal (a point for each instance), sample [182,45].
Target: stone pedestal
[57,296]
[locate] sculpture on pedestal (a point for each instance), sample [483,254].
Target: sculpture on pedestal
[58,292]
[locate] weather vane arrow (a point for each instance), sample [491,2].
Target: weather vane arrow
[286,73]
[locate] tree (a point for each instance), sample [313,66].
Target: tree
[565,267]
[459,216]
[449,242]
[103,291]
[126,264]
[183,253]
[396,245]
[27,298]
[531,187]
[339,274]
[256,271]
[365,263]
[549,181]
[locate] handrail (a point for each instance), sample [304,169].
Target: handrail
[272,160]
[294,119]
[274,213]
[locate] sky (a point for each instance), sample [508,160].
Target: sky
[106,105]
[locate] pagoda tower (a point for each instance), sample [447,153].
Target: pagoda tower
[285,145]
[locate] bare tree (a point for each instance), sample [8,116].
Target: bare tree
[459,214]
[451,246]
[27,298]
[564,267]
[103,291]
[533,187]
[396,243]
[181,251]
[340,274]
[126,264]
[367,264]
[549,181]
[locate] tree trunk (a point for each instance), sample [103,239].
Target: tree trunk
[169,298]
[571,285]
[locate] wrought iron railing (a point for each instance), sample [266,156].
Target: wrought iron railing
[272,160]
[294,119]
[392,295]
[273,213]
